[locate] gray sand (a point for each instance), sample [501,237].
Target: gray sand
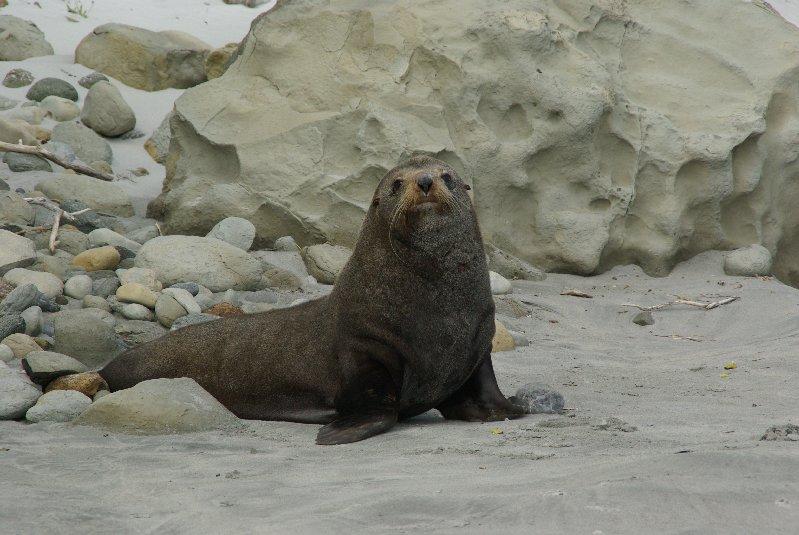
[694,464]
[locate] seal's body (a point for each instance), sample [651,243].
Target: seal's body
[407,327]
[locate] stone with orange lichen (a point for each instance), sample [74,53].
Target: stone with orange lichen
[225,310]
[88,383]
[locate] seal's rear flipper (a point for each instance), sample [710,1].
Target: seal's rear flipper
[356,427]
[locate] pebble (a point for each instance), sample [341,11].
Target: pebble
[752,261]
[787,432]
[58,406]
[167,310]
[185,299]
[95,301]
[46,283]
[104,236]
[33,320]
[499,284]
[7,103]
[644,318]
[60,109]
[105,286]
[87,335]
[17,251]
[11,324]
[90,79]
[133,292]
[325,261]
[135,311]
[106,257]
[87,383]
[18,78]
[192,319]
[45,366]
[20,298]
[538,399]
[503,340]
[106,112]
[17,394]
[51,86]
[6,353]
[142,276]
[22,163]
[192,287]
[135,332]
[21,344]
[83,141]
[236,231]
[78,286]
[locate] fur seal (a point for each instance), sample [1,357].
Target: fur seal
[407,327]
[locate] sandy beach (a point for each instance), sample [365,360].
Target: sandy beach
[694,464]
[661,433]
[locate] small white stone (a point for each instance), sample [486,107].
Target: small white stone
[499,284]
[185,299]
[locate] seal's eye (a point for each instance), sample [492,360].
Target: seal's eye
[467,187]
[447,178]
[395,187]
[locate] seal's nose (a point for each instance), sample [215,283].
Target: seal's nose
[425,181]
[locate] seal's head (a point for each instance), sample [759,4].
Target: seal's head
[422,195]
[426,208]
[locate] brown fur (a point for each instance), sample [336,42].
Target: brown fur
[407,328]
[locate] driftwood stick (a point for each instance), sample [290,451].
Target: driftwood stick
[50,205]
[46,154]
[54,232]
[680,301]
[576,293]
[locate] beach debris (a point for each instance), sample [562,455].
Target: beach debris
[788,432]
[46,154]
[731,365]
[682,301]
[576,293]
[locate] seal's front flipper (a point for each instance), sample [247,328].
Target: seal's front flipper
[479,399]
[356,427]
[367,404]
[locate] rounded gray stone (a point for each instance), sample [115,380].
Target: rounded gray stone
[78,286]
[539,399]
[84,142]
[135,311]
[18,78]
[33,320]
[106,112]
[58,406]
[751,261]
[52,86]
[17,393]
[236,231]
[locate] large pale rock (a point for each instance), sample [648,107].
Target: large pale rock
[97,194]
[21,344]
[213,263]
[144,59]
[60,109]
[15,251]
[160,406]
[17,394]
[594,133]
[21,39]
[106,112]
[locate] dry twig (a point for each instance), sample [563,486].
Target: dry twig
[46,154]
[681,301]
[54,232]
[576,293]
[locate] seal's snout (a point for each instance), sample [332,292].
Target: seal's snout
[425,182]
